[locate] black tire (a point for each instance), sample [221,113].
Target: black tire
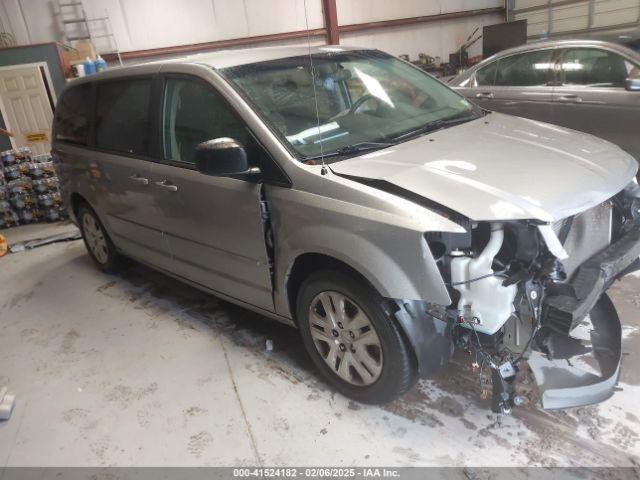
[110,261]
[398,373]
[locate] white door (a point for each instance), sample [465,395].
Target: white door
[26,107]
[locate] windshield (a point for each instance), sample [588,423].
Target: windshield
[359,100]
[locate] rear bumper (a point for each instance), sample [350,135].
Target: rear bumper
[581,362]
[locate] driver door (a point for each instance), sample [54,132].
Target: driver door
[520,85]
[212,225]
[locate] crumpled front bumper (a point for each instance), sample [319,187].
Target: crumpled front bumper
[583,368]
[581,363]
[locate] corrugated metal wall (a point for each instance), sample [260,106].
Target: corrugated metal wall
[153,24]
[565,17]
[436,39]
[147,24]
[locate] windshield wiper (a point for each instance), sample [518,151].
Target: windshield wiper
[434,126]
[355,148]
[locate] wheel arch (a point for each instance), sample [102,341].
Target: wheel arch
[429,339]
[307,263]
[76,200]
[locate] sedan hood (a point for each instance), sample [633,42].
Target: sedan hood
[501,167]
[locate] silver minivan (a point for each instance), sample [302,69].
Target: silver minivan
[349,194]
[588,85]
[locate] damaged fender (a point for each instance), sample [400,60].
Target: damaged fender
[391,252]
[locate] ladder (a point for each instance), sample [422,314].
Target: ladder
[80,18]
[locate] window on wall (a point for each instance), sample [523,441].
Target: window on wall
[595,68]
[525,69]
[195,113]
[122,116]
[73,115]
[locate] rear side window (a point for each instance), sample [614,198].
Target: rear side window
[525,69]
[73,114]
[122,116]
[595,68]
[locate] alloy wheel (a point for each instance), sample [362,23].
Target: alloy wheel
[95,238]
[345,338]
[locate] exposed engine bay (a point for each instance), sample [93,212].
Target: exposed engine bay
[536,291]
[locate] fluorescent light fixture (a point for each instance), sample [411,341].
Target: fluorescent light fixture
[572,66]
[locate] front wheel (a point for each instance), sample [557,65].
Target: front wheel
[354,342]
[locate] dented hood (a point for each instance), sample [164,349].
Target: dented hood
[501,167]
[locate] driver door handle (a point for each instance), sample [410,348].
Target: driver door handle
[167,185]
[487,95]
[137,178]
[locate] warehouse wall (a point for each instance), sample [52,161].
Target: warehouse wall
[147,24]
[150,24]
[436,39]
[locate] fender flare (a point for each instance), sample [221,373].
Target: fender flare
[430,337]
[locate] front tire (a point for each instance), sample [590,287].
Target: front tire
[99,245]
[352,340]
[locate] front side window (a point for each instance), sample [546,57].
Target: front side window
[122,116]
[73,114]
[595,68]
[486,76]
[353,98]
[195,113]
[525,69]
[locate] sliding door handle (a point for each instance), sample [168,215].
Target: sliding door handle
[167,185]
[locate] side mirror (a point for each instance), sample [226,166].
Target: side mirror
[222,156]
[632,84]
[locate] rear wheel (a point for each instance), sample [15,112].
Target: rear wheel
[98,243]
[355,344]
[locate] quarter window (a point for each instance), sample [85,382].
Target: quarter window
[194,113]
[594,68]
[73,113]
[525,69]
[122,116]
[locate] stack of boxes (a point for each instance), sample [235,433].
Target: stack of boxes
[29,189]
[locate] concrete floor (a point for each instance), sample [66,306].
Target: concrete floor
[138,369]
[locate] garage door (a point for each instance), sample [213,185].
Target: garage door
[560,17]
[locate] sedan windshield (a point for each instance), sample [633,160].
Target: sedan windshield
[355,101]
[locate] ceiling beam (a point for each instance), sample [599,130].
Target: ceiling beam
[216,45]
[357,27]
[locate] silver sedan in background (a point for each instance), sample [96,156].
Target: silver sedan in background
[588,85]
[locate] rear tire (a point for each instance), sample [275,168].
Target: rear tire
[357,346]
[99,245]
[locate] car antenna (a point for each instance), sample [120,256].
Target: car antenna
[323,170]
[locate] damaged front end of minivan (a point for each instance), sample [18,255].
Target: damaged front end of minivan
[534,291]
